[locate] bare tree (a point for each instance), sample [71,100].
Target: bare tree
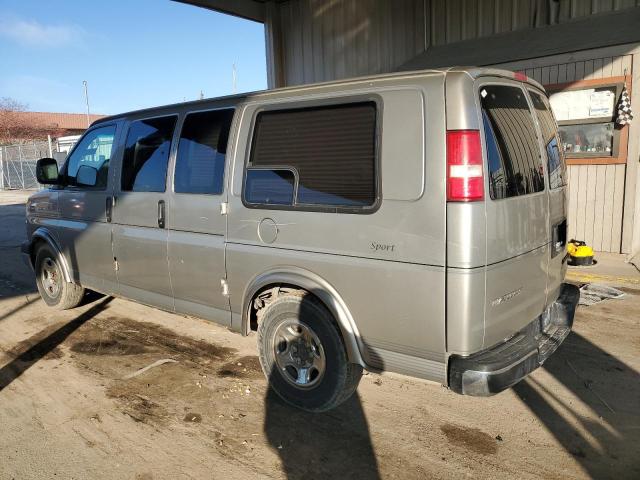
[16,126]
[11,124]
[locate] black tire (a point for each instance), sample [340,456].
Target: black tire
[339,378]
[53,288]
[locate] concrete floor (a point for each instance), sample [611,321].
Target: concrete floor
[610,269]
[66,410]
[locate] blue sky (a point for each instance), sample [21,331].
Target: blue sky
[132,53]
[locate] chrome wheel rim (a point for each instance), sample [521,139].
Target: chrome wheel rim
[299,354]
[50,277]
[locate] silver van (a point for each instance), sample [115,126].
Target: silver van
[413,223]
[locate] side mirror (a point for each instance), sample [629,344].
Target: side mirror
[86,176]
[47,171]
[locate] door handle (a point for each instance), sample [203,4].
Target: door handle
[161,214]
[111,204]
[109,209]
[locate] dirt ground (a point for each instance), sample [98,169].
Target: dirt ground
[67,409]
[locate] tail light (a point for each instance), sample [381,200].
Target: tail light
[465,182]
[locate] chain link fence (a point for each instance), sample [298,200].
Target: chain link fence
[18,164]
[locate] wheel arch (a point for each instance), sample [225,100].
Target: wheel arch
[315,285]
[42,235]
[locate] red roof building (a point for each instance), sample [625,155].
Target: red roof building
[20,126]
[68,123]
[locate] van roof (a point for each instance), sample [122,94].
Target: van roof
[473,72]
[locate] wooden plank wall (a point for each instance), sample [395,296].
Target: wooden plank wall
[596,192]
[582,70]
[596,200]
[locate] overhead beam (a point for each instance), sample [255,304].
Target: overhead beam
[596,31]
[248,9]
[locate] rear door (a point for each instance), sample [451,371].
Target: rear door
[557,181]
[517,215]
[139,213]
[196,221]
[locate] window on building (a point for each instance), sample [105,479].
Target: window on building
[555,160]
[201,152]
[88,165]
[515,166]
[144,165]
[586,120]
[331,149]
[586,140]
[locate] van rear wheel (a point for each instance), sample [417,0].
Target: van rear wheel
[303,355]
[54,290]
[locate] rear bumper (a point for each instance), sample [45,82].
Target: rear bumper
[490,371]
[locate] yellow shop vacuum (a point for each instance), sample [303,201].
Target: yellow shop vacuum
[580,254]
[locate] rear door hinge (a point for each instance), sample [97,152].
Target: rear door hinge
[224,208]
[225,287]
[116,267]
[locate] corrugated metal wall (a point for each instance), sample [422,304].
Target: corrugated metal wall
[327,40]
[332,39]
[596,192]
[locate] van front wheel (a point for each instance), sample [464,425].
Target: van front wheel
[53,288]
[303,355]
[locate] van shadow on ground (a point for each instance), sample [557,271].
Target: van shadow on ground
[25,359]
[611,389]
[336,444]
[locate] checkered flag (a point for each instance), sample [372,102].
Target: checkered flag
[625,115]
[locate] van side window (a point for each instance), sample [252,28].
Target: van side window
[555,158]
[88,165]
[331,149]
[270,187]
[201,152]
[515,166]
[146,154]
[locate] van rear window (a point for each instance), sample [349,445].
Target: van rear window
[513,152]
[331,149]
[555,159]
